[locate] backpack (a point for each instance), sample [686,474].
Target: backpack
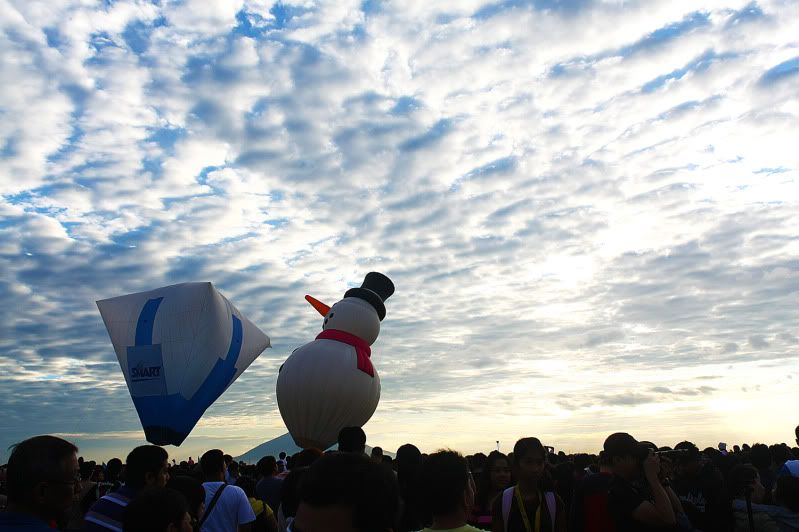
[261,524]
[507,501]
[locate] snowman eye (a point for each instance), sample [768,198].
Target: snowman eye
[331,315]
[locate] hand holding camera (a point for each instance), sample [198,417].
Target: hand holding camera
[651,466]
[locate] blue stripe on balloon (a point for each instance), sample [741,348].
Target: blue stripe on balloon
[169,419]
[144,327]
[223,371]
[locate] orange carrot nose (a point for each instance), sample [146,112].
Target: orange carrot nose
[320,307]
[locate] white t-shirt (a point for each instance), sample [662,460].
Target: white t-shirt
[231,509]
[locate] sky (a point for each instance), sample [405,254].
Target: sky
[589,209]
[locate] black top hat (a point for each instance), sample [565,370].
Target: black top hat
[376,288]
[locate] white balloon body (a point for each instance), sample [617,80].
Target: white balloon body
[320,388]
[180,347]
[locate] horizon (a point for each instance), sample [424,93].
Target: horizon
[588,209]
[183,453]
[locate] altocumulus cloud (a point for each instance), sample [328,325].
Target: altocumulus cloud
[588,208]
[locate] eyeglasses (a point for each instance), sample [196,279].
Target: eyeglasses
[75,482]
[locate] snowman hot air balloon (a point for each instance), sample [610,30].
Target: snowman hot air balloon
[330,383]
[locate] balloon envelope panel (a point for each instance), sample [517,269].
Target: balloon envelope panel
[180,347]
[320,390]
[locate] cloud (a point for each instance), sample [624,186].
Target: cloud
[730,347]
[758,341]
[685,392]
[579,223]
[628,399]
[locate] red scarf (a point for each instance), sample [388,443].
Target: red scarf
[362,349]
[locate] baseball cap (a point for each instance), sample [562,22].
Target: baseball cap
[621,444]
[791,468]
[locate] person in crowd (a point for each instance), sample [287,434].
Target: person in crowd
[228,461]
[789,468]
[306,457]
[409,463]
[86,495]
[563,478]
[761,458]
[282,464]
[447,492]
[157,510]
[264,515]
[494,478]
[112,472]
[233,472]
[146,467]
[268,487]
[290,497]
[228,511]
[786,495]
[585,464]
[637,499]
[477,463]
[42,477]
[347,492]
[531,504]
[377,455]
[750,513]
[97,474]
[589,510]
[194,493]
[352,440]
[779,455]
[700,488]
[98,486]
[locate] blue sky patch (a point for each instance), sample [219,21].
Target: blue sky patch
[54,38]
[749,13]
[700,64]
[668,33]
[784,70]
[432,136]
[137,34]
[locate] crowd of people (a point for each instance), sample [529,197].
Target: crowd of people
[629,486]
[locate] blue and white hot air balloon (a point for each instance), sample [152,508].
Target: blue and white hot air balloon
[180,347]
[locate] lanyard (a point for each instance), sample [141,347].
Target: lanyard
[523,511]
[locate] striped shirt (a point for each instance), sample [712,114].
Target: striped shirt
[109,511]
